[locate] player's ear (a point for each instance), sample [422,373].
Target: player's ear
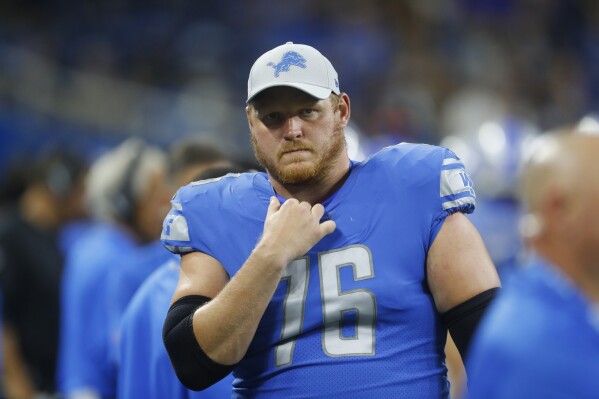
[344,108]
[249,110]
[557,210]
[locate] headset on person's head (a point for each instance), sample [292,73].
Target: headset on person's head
[123,199]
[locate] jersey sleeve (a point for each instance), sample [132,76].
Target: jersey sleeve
[178,226]
[456,190]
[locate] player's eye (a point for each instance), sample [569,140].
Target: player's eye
[308,111]
[272,119]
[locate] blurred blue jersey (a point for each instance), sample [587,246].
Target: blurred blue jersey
[540,339]
[354,317]
[122,282]
[71,232]
[144,370]
[84,361]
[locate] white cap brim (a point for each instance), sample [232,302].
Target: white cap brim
[315,91]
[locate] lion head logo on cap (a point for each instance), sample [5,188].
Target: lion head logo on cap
[290,58]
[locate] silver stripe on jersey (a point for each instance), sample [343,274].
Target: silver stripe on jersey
[214,179]
[459,202]
[451,161]
[175,229]
[178,250]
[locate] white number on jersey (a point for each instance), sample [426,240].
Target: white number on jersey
[335,304]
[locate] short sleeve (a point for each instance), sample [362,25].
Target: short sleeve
[175,230]
[456,190]
[193,212]
[176,236]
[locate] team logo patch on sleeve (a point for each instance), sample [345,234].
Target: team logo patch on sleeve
[456,188]
[175,228]
[175,232]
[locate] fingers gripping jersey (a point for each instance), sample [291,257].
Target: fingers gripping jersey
[354,316]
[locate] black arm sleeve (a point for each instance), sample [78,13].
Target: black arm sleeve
[192,366]
[463,319]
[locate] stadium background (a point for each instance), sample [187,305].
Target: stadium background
[83,75]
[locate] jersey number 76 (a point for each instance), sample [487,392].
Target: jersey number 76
[335,303]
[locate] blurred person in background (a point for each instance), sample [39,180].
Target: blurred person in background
[185,159]
[144,369]
[324,276]
[45,195]
[125,194]
[540,339]
[493,153]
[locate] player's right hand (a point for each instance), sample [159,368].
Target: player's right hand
[292,229]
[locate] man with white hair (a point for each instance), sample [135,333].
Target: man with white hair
[125,194]
[143,369]
[541,337]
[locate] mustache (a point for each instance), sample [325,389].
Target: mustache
[294,147]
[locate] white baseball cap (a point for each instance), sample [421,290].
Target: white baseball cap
[294,65]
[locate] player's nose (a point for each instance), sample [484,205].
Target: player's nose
[293,128]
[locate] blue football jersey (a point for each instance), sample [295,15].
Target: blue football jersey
[84,362]
[121,284]
[144,369]
[539,339]
[354,317]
